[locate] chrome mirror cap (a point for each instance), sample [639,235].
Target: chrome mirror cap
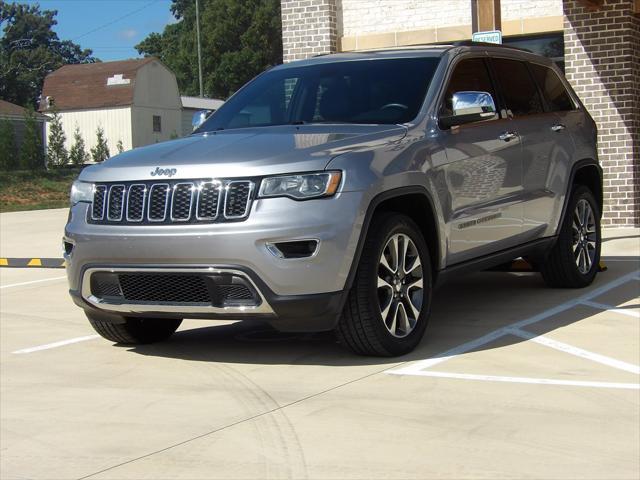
[199,117]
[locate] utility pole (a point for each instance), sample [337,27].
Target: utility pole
[199,49]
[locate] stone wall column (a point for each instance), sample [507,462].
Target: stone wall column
[602,55]
[309,28]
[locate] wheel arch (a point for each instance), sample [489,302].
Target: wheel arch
[586,172]
[417,204]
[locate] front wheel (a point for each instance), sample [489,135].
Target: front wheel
[389,303]
[574,260]
[135,331]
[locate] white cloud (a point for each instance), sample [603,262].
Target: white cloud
[171,20]
[128,34]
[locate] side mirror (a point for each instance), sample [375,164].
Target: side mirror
[469,107]
[199,117]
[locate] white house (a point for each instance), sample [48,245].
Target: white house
[134,101]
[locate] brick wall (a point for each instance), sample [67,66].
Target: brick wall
[602,56]
[309,27]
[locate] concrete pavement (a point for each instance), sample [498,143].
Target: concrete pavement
[513,380]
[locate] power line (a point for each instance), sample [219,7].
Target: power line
[108,24]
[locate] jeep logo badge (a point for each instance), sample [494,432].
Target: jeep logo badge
[159,172]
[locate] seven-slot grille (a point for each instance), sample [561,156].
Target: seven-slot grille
[168,202]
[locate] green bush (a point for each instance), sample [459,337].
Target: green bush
[100,152]
[57,155]
[8,153]
[78,153]
[31,152]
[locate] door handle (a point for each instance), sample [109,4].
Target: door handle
[558,127]
[506,136]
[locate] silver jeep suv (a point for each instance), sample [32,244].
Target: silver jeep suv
[335,193]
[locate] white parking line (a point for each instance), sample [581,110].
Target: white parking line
[61,343]
[611,308]
[578,352]
[540,381]
[32,281]
[416,368]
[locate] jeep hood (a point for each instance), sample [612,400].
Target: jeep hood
[247,152]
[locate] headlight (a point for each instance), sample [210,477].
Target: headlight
[81,192]
[301,187]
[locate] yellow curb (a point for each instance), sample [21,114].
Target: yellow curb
[34,262]
[4,262]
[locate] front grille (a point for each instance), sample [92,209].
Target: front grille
[237,199]
[173,289]
[235,292]
[198,201]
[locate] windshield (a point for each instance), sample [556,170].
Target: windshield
[377,91]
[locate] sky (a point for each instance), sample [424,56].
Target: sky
[110,28]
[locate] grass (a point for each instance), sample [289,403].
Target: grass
[35,190]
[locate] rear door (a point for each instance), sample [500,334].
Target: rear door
[569,120]
[482,174]
[547,146]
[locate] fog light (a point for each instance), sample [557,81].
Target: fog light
[68,248]
[293,249]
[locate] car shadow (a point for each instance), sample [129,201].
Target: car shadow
[627,237]
[463,310]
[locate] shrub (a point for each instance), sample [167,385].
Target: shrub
[57,155]
[100,152]
[8,153]
[78,153]
[31,152]
[119,146]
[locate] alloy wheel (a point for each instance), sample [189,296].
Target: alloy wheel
[585,236]
[400,285]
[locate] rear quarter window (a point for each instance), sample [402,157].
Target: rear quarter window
[553,89]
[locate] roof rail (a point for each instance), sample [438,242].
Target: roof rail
[471,43]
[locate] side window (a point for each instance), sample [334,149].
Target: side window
[554,90]
[518,89]
[469,75]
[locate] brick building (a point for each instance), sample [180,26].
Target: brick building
[596,43]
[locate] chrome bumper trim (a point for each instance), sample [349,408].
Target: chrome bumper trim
[262,308]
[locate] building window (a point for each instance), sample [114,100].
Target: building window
[157,124]
[549,45]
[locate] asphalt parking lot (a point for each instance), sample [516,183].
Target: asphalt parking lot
[513,380]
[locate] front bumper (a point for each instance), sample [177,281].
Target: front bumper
[301,294]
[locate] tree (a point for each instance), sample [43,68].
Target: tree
[29,50]
[57,155]
[78,153]
[31,152]
[8,154]
[100,152]
[119,146]
[241,39]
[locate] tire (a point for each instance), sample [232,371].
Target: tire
[361,326]
[135,331]
[562,267]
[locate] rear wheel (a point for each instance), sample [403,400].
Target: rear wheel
[389,303]
[135,330]
[574,260]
